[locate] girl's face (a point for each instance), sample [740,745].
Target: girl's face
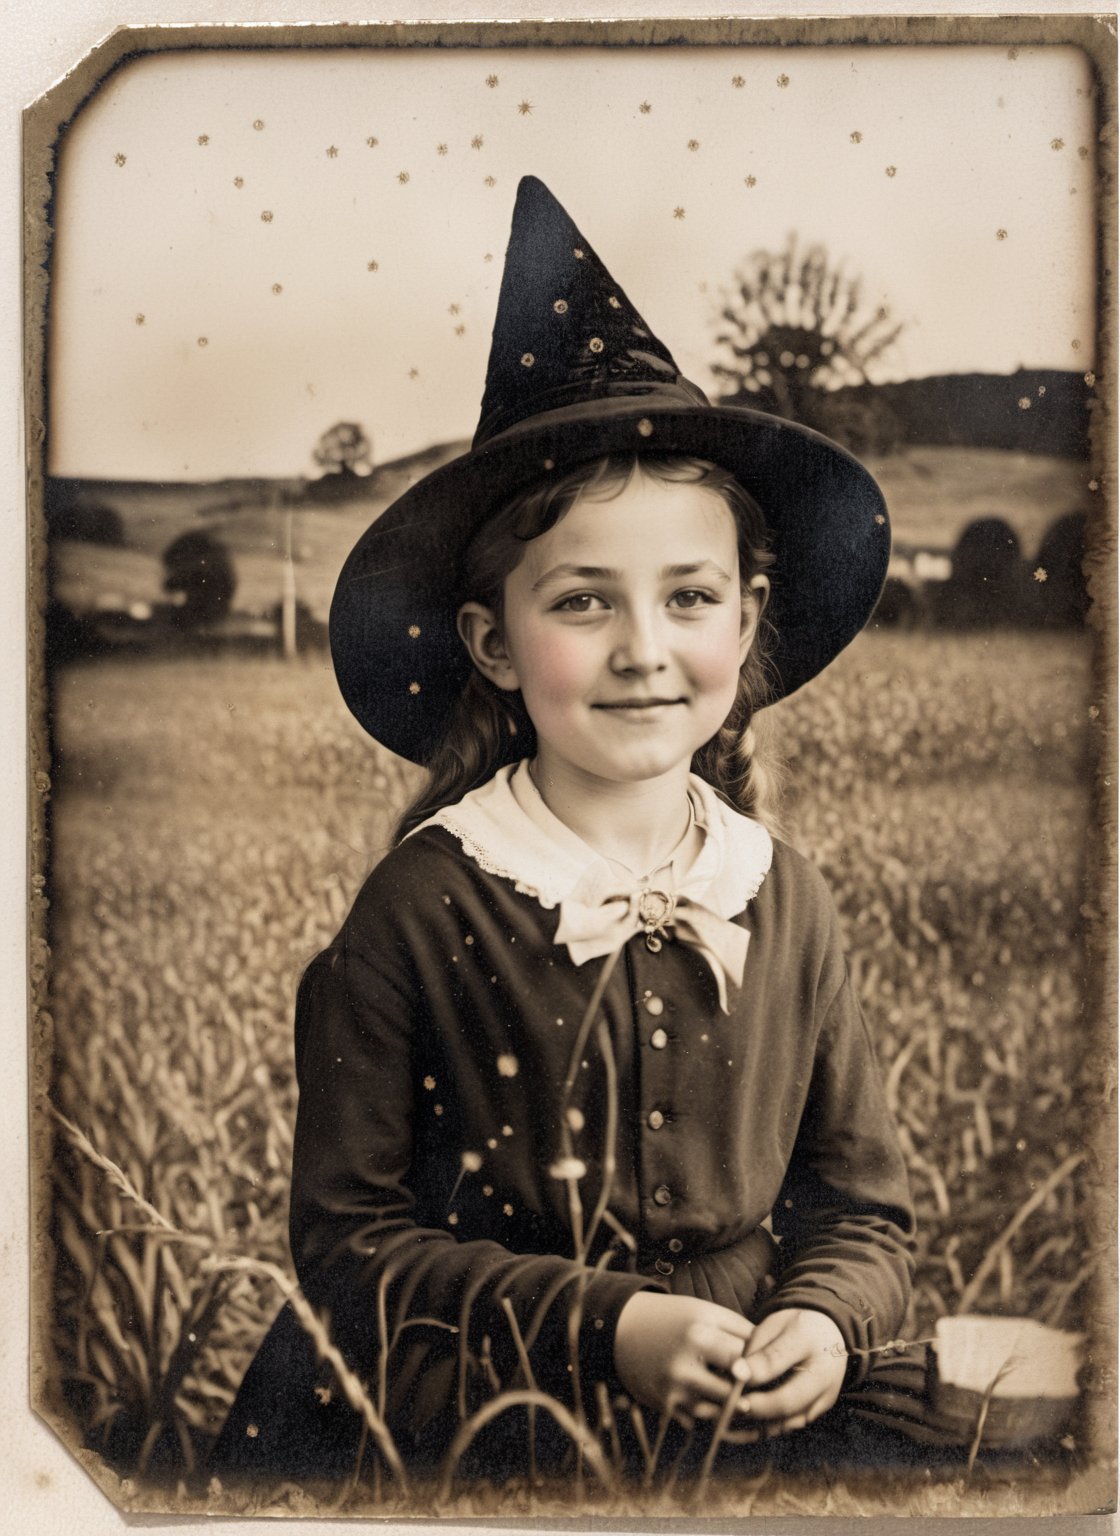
[624,627]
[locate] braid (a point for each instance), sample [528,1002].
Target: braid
[761,777]
[742,762]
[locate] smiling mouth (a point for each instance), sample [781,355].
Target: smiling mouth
[640,704]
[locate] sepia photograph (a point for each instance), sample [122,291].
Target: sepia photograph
[572,670]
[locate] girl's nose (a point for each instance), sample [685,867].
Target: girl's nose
[640,648]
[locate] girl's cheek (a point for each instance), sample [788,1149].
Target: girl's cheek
[714,657]
[554,664]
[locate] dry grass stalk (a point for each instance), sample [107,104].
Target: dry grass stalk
[982,1414]
[577,1431]
[1029,1206]
[117,1176]
[352,1386]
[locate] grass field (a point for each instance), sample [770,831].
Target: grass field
[212,821]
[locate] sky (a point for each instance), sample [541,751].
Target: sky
[251,246]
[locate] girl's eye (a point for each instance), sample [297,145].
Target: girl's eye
[692,597]
[580,602]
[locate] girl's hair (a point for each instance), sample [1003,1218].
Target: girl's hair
[489,727]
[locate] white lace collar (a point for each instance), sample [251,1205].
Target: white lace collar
[546,860]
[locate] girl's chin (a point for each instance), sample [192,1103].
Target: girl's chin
[616,747]
[633,767]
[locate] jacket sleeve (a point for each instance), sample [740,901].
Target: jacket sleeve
[361,1252]
[844,1214]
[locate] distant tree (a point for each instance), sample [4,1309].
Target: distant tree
[344,449]
[986,586]
[87,524]
[1058,582]
[899,605]
[793,333]
[199,566]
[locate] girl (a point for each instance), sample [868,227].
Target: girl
[587,1105]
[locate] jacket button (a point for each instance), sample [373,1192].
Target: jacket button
[655,1120]
[659,1039]
[663,1267]
[655,1005]
[675,1245]
[662,1195]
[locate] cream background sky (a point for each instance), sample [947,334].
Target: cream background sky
[215,308]
[44,1487]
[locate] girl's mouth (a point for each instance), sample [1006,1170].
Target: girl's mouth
[640,704]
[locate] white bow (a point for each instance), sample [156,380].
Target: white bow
[597,918]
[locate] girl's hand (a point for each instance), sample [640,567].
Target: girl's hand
[809,1348]
[678,1352]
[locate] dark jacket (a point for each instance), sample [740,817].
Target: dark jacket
[442,1021]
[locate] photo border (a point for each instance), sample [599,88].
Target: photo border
[45,123]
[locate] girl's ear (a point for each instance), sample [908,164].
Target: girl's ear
[479,632]
[755,598]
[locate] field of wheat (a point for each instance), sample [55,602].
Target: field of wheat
[211,822]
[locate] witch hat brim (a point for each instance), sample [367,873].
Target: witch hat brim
[576,375]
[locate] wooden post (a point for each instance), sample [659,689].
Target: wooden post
[288,592]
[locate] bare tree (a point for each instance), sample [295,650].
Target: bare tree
[793,331]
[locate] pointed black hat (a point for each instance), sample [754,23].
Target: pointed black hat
[575,374]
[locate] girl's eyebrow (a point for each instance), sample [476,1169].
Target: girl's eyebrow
[604,573]
[582,572]
[673,571]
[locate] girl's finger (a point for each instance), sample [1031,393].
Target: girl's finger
[787,1426]
[699,1381]
[783,1402]
[737,1328]
[719,1346]
[775,1358]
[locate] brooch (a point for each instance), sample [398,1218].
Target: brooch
[655,911]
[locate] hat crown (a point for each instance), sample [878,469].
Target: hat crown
[565,332]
